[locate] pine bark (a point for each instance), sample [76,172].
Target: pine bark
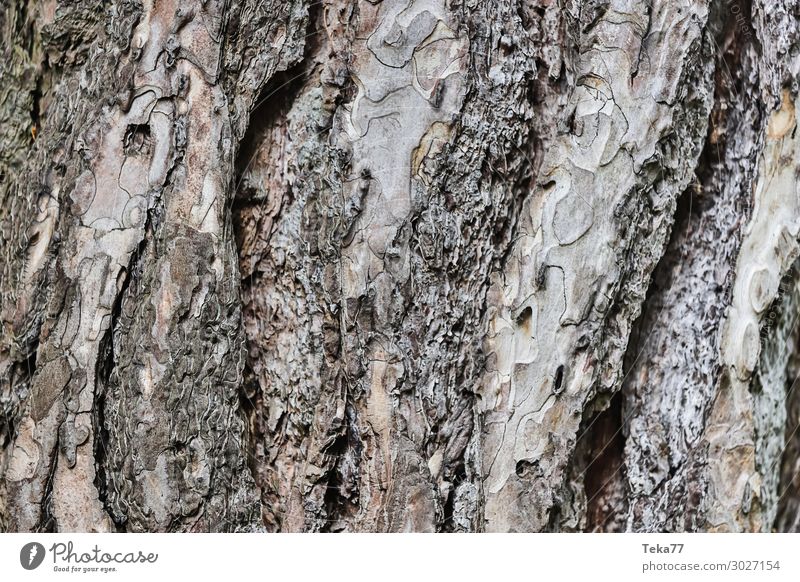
[399,265]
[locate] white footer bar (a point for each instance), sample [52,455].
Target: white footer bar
[355,557]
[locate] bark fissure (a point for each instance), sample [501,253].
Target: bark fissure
[572,314]
[669,407]
[605,474]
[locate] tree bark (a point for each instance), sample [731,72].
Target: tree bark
[399,265]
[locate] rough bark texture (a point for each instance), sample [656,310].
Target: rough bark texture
[399,265]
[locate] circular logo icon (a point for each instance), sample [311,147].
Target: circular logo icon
[31,555]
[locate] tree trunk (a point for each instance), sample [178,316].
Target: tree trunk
[399,265]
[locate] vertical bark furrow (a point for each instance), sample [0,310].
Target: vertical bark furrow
[680,453]
[571,288]
[458,174]
[180,462]
[600,452]
[476,189]
[435,211]
[140,123]
[408,65]
[49,461]
[744,433]
[666,401]
[284,167]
